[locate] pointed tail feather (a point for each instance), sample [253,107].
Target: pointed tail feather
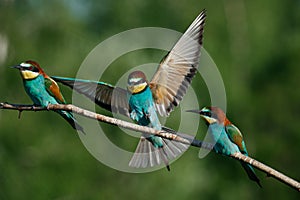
[71,120]
[251,174]
[146,155]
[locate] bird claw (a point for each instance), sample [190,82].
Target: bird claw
[33,108]
[48,107]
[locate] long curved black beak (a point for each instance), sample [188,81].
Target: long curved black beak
[16,67]
[194,111]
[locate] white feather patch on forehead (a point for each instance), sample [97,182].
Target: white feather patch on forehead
[135,80]
[25,65]
[205,109]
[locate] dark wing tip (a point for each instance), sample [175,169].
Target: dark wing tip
[202,18]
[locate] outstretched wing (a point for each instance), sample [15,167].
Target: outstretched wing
[53,89]
[175,72]
[236,137]
[111,98]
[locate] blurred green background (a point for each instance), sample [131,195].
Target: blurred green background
[255,44]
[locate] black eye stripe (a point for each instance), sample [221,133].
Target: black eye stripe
[32,68]
[140,81]
[35,69]
[206,113]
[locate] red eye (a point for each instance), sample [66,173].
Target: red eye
[30,68]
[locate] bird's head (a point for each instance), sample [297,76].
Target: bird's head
[137,82]
[29,69]
[212,115]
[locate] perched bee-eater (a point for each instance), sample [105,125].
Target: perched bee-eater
[227,137]
[43,90]
[142,99]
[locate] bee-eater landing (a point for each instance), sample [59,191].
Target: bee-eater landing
[143,100]
[43,90]
[144,113]
[227,137]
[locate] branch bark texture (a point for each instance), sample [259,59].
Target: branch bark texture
[179,137]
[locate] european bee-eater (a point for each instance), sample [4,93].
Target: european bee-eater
[143,99]
[43,90]
[227,137]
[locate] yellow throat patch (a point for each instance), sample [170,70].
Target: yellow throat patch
[29,74]
[210,120]
[137,88]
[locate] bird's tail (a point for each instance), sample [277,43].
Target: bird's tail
[146,155]
[251,174]
[68,116]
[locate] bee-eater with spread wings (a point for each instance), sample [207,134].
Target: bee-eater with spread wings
[143,99]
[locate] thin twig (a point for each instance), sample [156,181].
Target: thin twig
[179,137]
[268,170]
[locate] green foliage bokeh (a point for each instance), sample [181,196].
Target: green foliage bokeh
[255,45]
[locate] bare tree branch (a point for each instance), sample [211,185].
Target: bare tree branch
[268,170]
[180,137]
